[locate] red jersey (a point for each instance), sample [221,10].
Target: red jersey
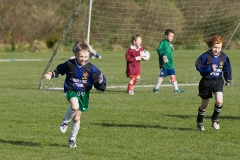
[133,65]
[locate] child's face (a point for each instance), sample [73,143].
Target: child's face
[169,37]
[82,57]
[216,48]
[138,41]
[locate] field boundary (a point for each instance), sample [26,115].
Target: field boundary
[18,60]
[137,86]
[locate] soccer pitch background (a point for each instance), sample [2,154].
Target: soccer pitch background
[113,65]
[117,126]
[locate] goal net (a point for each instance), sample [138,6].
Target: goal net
[112,24]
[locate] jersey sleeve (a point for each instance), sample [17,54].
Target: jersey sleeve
[60,69]
[95,79]
[129,56]
[201,66]
[227,70]
[161,48]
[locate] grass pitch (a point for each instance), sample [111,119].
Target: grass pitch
[117,126]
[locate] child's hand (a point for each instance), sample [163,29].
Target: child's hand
[48,75]
[165,59]
[214,67]
[100,78]
[228,83]
[138,58]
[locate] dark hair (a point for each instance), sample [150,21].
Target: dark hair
[167,31]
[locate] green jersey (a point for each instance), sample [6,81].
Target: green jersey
[165,48]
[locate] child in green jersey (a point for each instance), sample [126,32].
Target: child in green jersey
[166,64]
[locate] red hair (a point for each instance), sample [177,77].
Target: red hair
[216,40]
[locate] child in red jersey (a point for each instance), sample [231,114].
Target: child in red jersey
[133,59]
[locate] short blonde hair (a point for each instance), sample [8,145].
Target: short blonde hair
[82,47]
[216,39]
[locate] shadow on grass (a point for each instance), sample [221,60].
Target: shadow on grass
[141,126]
[20,143]
[208,117]
[182,116]
[59,145]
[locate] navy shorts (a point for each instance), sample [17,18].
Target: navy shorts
[166,72]
[208,86]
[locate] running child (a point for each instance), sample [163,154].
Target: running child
[213,65]
[81,76]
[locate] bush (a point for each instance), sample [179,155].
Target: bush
[52,40]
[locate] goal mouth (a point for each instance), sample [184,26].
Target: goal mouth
[109,25]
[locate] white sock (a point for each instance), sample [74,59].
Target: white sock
[74,131]
[158,83]
[175,85]
[69,114]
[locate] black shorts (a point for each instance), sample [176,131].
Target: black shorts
[208,86]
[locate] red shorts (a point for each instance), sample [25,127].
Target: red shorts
[133,76]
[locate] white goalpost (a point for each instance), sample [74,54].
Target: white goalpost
[109,25]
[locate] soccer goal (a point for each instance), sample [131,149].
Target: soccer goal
[109,25]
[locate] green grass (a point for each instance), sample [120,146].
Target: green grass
[117,126]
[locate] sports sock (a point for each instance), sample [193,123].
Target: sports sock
[69,114]
[216,112]
[135,82]
[158,83]
[130,87]
[200,116]
[175,85]
[74,131]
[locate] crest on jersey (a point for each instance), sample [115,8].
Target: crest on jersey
[85,76]
[221,64]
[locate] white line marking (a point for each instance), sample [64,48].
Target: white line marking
[18,60]
[137,86]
